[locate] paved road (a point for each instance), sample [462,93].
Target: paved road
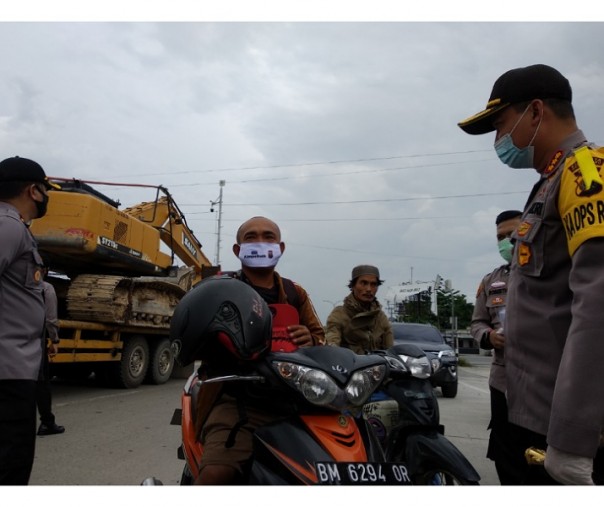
[467,416]
[120,437]
[112,436]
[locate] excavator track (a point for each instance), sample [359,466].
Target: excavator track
[132,301]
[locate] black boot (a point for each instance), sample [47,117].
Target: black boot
[51,429]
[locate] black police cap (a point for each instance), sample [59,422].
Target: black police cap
[24,169]
[516,86]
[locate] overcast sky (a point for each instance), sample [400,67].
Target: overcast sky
[345,134]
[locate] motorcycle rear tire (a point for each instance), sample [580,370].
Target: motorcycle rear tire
[186,479]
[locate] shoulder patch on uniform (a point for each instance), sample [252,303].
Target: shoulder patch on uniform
[587,176]
[523,229]
[524,254]
[581,200]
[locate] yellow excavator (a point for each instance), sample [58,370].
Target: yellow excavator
[117,280]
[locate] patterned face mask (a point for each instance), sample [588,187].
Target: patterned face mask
[259,255]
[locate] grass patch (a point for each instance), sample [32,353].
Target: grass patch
[463,362]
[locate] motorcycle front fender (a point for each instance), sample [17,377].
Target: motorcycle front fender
[285,452]
[433,450]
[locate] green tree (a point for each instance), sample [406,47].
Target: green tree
[417,308]
[452,302]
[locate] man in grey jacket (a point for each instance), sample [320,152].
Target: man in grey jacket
[554,318]
[488,331]
[23,197]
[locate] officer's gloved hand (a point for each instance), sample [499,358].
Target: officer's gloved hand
[568,468]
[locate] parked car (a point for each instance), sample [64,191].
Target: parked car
[431,341]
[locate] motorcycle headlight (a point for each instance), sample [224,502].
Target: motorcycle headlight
[419,367]
[319,388]
[316,386]
[363,383]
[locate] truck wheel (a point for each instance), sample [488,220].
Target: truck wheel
[162,363]
[130,371]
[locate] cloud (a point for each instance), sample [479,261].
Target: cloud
[343,133]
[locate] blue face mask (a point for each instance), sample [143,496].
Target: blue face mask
[510,154]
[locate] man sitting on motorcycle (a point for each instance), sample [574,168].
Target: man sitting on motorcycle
[259,248]
[360,324]
[222,407]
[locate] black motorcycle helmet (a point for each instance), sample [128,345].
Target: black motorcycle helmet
[225,312]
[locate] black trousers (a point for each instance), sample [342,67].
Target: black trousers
[17,430]
[508,457]
[43,394]
[508,442]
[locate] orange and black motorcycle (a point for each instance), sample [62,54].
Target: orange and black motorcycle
[344,418]
[322,441]
[323,437]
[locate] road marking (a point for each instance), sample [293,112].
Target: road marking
[479,389]
[95,398]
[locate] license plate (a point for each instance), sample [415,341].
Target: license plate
[362,474]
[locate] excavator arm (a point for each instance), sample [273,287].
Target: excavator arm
[164,215]
[85,232]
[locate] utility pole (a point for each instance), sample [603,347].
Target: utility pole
[449,287]
[437,284]
[219,223]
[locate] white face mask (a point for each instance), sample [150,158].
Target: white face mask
[259,255]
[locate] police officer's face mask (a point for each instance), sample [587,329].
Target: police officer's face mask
[510,154]
[505,249]
[41,206]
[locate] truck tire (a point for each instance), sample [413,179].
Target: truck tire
[130,371]
[161,364]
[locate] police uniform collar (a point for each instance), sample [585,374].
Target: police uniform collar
[572,142]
